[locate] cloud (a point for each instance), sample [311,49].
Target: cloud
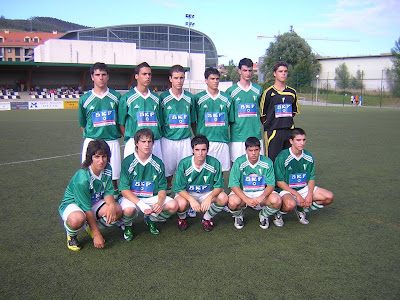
[372,17]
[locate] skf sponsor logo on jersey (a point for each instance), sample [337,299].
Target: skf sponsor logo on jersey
[298,180]
[198,188]
[178,121]
[146,118]
[283,110]
[103,118]
[215,119]
[142,188]
[247,110]
[253,183]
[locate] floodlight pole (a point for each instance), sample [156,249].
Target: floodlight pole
[189,24]
[316,94]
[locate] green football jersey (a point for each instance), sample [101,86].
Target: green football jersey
[213,116]
[203,180]
[143,179]
[177,115]
[296,172]
[98,115]
[245,104]
[136,111]
[252,178]
[85,189]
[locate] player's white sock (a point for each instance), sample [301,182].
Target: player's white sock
[267,211]
[237,213]
[161,216]
[182,215]
[127,220]
[214,209]
[70,231]
[314,206]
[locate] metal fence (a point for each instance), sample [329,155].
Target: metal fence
[368,92]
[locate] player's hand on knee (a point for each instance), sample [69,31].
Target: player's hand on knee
[206,205]
[157,208]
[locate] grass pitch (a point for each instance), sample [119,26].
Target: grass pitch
[350,250]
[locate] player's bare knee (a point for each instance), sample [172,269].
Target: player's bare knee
[329,198]
[129,211]
[171,206]
[76,221]
[275,200]
[288,204]
[222,199]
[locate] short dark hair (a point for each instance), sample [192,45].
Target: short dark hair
[141,65]
[96,147]
[211,71]
[176,69]
[98,66]
[280,64]
[199,140]
[247,62]
[296,131]
[146,132]
[252,142]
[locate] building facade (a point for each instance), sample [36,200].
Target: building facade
[18,46]
[162,37]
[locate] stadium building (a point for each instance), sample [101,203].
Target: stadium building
[152,37]
[65,61]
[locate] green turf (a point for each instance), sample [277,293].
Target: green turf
[350,250]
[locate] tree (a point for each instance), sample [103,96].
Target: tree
[393,74]
[342,76]
[294,50]
[357,81]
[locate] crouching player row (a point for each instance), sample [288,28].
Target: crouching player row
[252,181]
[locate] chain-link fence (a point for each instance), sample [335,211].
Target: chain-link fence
[363,92]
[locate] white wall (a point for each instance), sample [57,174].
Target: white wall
[89,52]
[371,66]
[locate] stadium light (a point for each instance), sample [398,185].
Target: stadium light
[316,94]
[189,24]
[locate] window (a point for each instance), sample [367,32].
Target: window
[27,39]
[9,50]
[17,51]
[1,39]
[17,59]
[36,39]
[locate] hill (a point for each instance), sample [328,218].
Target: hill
[41,24]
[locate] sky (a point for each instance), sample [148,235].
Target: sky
[347,27]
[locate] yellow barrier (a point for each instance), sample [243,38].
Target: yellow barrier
[71,104]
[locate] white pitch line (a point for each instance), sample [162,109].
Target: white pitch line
[44,158]
[38,159]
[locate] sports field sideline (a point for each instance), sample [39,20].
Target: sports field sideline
[350,250]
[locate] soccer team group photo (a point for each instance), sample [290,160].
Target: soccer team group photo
[177,148]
